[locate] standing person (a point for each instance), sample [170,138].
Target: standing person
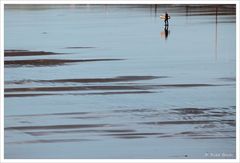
[166,19]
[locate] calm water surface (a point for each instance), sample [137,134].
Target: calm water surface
[105,81]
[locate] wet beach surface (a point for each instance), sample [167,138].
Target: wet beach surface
[110,81]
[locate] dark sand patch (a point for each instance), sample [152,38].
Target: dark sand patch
[191,110]
[89,80]
[130,137]
[214,137]
[217,114]
[16,53]
[205,112]
[193,122]
[207,126]
[195,134]
[80,47]
[43,133]
[28,95]
[56,127]
[189,122]
[75,94]
[232,79]
[134,134]
[186,133]
[230,122]
[88,117]
[119,130]
[221,114]
[50,62]
[186,85]
[165,136]
[78,88]
[143,110]
[118,87]
[117,93]
[49,141]
[50,114]
[25,122]
[203,135]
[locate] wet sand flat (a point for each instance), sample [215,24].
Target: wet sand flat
[112,82]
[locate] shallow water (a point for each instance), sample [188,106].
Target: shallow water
[110,81]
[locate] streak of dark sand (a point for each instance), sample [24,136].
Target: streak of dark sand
[88,117]
[16,53]
[119,87]
[50,141]
[130,137]
[217,114]
[83,88]
[228,79]
[196,134]
[230,122]
[89,80]
[50,62]
[125,134]
[191,110]
[204,112]
[179,122]
[117,93]
[80,47]
[135,110]
[76,94]
[28,95]
[56,127]
[190,122]
[202,135]
[50,114]
[135,134]
[43,133]
[214,137]
[25,122]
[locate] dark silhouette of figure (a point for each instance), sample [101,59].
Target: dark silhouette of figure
[166,19]
[166,31]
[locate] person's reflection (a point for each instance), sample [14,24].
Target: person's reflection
[165,33]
